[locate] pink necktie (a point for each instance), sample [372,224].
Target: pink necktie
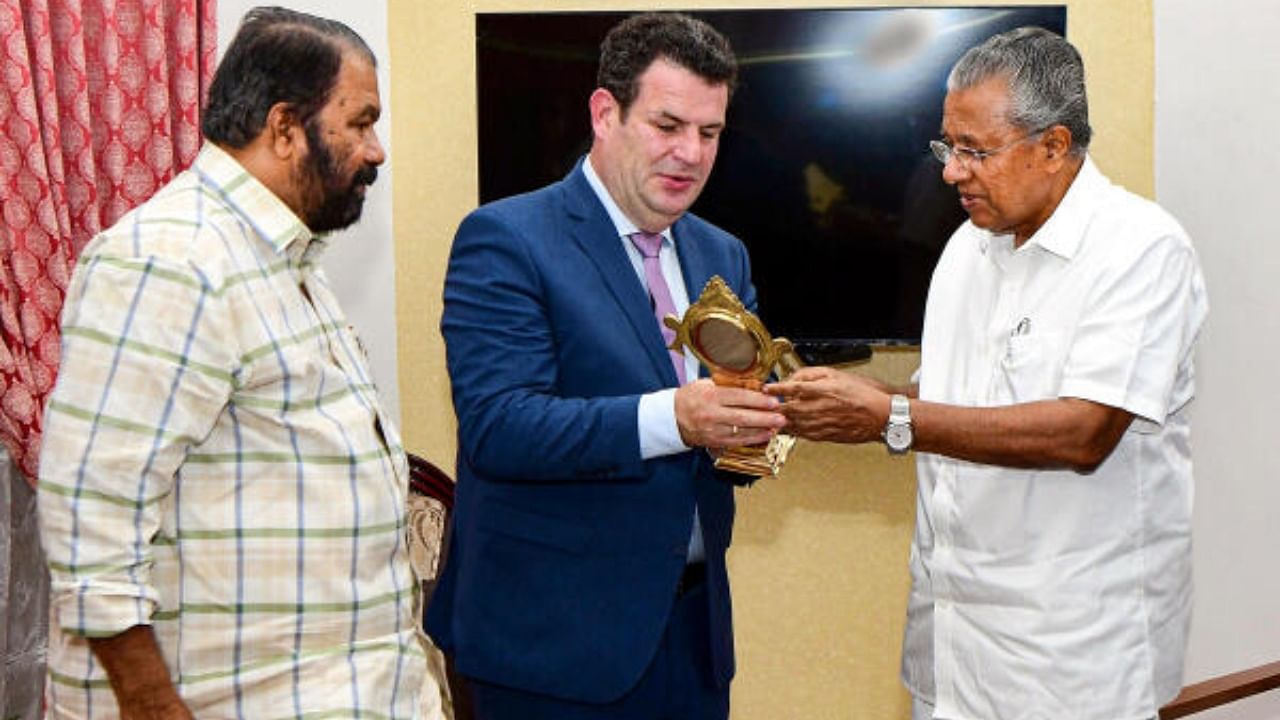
[659,292]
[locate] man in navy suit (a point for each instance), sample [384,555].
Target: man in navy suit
[586,576]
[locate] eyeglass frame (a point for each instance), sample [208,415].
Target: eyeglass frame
[967,156]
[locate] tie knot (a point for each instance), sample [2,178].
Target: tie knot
[647,243]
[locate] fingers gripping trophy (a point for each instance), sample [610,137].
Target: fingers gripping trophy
[737,350]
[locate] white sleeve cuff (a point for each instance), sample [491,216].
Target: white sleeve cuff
[659,433]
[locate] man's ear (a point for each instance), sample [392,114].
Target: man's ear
[605,111]
[1057,144]
[284,133]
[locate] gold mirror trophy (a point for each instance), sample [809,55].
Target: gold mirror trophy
[737,350]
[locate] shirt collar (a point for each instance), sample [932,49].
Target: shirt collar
[621,222]
[1063,232]
[260,208]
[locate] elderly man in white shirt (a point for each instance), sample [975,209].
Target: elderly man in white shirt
[1051,567]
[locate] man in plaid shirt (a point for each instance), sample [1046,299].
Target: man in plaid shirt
[222,495]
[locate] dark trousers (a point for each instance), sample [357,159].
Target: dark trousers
[677,685]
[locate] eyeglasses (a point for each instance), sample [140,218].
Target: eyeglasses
[968,157]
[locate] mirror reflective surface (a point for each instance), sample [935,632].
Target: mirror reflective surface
[727,344]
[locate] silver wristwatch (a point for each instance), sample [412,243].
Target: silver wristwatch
[897,432]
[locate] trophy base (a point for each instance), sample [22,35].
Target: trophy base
[757,460]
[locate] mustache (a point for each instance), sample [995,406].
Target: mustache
[366,175]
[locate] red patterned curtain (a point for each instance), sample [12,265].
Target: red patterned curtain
[99,107]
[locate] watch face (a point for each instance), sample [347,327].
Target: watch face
[898,437]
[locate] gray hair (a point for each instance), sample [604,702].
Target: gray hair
[1045,76]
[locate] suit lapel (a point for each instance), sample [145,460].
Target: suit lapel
[694,263]
[695,266]
[595,234]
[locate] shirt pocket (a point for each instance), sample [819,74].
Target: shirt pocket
[1030,369]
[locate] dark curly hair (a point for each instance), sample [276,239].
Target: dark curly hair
[633,44]
[277,55]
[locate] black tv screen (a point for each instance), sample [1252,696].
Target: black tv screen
[824,170]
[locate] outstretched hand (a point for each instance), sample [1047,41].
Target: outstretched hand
[825,404]
[712,416]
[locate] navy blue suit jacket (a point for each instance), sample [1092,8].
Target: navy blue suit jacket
[566,547]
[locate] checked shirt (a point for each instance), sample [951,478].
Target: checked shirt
[217,464]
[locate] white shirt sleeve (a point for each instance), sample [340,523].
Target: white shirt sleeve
[659,434]
[1130,346]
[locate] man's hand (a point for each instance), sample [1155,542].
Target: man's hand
[825,404]
[139,676]
[711,416]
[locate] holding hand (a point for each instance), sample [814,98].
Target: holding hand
[833,406]
[712,416]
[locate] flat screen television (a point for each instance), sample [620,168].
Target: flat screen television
[824,170]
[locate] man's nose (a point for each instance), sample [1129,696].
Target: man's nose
[689,147]
[374,154]
[954,170]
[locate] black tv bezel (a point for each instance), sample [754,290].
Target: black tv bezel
[815,346]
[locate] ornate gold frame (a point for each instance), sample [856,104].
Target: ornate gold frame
[738,351]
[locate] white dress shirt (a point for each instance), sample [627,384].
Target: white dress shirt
[659,433]
[1052,594]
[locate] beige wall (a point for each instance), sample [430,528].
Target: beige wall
[819,558]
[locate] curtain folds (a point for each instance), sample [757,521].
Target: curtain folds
[99,107]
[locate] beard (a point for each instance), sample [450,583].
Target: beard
[332,201]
